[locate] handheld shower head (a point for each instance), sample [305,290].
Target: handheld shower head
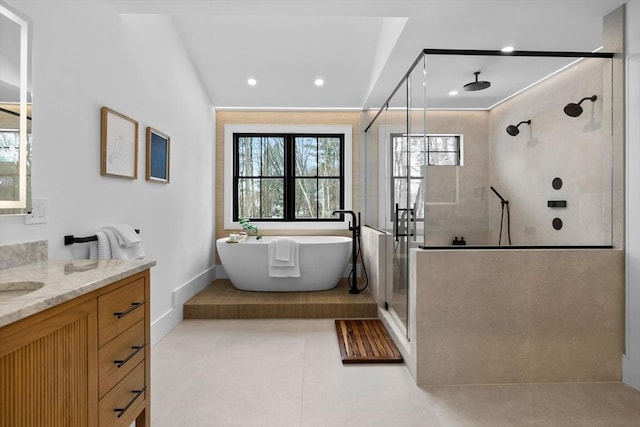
[477,85]
[574,110]
[513,130]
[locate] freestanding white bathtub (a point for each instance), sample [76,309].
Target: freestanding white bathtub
[322,261]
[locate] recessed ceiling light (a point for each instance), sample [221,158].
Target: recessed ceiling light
[252,82]
[453,93]
[508,49]
[319,82]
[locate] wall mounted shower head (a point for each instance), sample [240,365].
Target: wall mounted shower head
[477,85]
[513,130]
[574,110]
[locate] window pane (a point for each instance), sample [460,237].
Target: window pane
[443,143]
[453,143]
[249,155]
[8,186]
[306,156]
[399,156]
[306,198]
[443,159]
[417,153]
[435,143]
[328,197]
[415,194]
[273,156]
[400,193]
[329,156]
[249,198]
[9,147]
[272,198]
[416,198]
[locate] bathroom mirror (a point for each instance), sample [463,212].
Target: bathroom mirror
[15,111]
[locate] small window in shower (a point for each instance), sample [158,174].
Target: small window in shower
[432,150]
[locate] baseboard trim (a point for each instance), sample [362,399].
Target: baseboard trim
[630,376]
[172,317]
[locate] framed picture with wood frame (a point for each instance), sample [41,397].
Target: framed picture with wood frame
[158,152]
[119,145]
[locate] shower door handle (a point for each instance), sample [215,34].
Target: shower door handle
[395,222]
[408,214]
[412,217]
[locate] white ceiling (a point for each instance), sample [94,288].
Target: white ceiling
[363,48]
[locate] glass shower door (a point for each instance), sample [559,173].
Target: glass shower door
[399,208]
[395,153]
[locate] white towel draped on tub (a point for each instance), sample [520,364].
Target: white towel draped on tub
[283,249]
[284,258]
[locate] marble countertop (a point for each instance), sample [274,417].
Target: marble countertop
[63,281]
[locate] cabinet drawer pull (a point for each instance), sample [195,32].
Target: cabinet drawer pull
[136,349]
[137,393]
[134,305]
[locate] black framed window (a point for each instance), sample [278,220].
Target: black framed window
[288,177]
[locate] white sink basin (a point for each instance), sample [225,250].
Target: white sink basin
[10,290]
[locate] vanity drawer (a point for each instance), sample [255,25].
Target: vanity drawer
[123,403]
[119,356]
[120,309]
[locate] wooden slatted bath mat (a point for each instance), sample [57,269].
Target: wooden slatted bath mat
[366,341]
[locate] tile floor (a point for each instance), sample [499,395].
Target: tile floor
[287,372]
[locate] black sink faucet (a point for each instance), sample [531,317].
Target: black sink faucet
[354,227]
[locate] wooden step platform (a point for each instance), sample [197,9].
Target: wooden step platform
[366,341]
[220,300]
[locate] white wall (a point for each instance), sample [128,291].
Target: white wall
[631,361]
[86,56]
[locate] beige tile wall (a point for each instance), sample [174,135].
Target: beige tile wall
[466,218]
[283,118]
[578,150]
[518,316]
[587,152]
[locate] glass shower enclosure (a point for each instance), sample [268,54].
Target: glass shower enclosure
[495,164]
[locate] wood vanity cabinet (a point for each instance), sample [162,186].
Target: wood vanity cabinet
[85,362]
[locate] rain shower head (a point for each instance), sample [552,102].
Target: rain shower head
[574,110]
[513,130]
[477,85]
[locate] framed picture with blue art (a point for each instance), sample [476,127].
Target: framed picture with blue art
[158,152]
